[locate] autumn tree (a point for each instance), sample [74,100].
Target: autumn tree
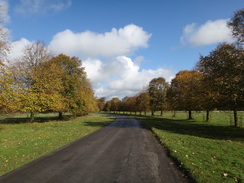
[123,106]
[107,106]
[130,104]
[77,92]
[30,72]
[6,81]
[224,71]
[35,54]
[115,104]
[185,91]
[44,93]
[101,102]
[237,25]
[87,99]
[143,102]
[9,91]
[157,90]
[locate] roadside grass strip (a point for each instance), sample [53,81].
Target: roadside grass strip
[209,152]
[23,142]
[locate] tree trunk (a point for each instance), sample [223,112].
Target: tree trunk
[161,113]
[235,118]
[60,116]
[174,114]
[152,113]
[207,116]
[32,117]
[145,113]
[190,115]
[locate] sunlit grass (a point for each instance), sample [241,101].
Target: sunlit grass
[211,152]
[21,143]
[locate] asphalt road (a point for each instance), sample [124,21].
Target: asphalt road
[120,152]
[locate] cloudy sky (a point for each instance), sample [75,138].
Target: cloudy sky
[123,43]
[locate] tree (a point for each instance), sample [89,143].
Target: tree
[44,93]
[30,76]
[101,103]
[224,71]
[115,104]
[35,54]
[123,105]
[77,92]
[130,104]
[9,91]
[107,106]
[185,91]
[86,100]
[237,25]
[143,102]
[209,97]
[157,90]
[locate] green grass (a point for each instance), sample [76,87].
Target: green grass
[225,118]
[209,152]
[22,142]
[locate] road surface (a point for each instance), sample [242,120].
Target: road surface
[120,152]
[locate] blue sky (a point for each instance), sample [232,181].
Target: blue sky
[123,43]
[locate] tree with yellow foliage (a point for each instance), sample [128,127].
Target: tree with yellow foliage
[77,93]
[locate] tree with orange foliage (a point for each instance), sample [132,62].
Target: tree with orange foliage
[224,72]
[185,92]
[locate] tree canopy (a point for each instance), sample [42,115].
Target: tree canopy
[157,90]
[224,71]
[185,92]
[237,25]
[38,82]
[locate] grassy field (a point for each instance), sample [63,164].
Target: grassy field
[210,152]
[22,142]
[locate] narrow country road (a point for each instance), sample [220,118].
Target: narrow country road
[120,152]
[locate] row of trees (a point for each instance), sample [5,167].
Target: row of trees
[39,82]
[217,81]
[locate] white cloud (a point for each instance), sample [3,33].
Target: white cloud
[89,44]
[4,17]
[211,32]
[41,6]
[121,76]
[17,47]
[114,75]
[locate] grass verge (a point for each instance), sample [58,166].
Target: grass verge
[210,152]
[21,143]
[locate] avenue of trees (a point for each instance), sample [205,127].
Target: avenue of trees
[39,82]
[217,82]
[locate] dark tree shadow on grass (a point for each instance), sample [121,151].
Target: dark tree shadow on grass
[99,124]
[193,128]
[17,120]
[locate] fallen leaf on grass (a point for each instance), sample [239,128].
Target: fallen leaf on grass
[225,174]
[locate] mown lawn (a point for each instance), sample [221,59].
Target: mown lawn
[210,152]
[22,142]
